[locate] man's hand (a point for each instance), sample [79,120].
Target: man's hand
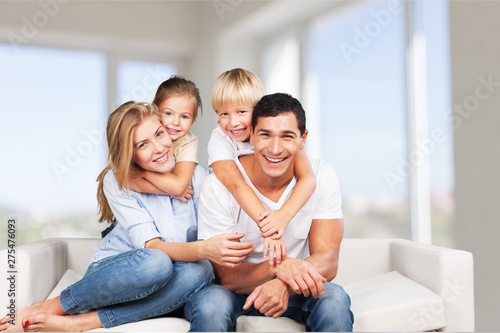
[227,250]
[270,298]
[301,277]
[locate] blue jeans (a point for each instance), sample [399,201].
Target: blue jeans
[135,285]
[215,309]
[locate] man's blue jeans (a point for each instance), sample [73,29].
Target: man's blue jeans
[215,309]
[135,285]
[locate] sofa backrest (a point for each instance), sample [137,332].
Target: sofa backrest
[361,259]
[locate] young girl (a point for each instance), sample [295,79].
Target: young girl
[234,95]
[149,264]
[179,101]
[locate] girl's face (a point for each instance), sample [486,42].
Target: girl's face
[177,115]
[152,146]
[236,122]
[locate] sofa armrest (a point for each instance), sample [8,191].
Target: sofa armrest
[39,267]
[447,272]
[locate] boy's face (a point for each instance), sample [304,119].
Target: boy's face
[177,115]
[236,122]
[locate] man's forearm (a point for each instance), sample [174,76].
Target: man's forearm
[325,263]
[244,278]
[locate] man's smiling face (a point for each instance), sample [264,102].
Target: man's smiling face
[277,141]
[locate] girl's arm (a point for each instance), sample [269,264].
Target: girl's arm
[276,221]
[167,183]
[174,183]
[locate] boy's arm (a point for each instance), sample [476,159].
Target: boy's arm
[306,184]
[174,183]
[230,176]
[276,221]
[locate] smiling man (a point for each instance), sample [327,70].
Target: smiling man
[298,287]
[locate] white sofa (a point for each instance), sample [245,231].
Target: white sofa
[394,284]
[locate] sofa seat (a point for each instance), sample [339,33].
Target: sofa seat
[394,285]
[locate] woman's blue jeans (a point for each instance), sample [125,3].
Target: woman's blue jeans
[215,309]
[135,285]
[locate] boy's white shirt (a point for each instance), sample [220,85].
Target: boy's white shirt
[222,147]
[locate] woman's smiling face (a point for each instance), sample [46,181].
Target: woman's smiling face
[152,146]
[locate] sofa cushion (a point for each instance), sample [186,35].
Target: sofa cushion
[392,302]
[69,277]
[267,324]
[163,324]
[385,302]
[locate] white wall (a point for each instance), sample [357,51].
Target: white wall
[171,26]
[476,56]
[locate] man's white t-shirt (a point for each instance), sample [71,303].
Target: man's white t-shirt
[223,147]
[218,211]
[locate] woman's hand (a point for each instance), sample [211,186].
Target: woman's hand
[227,250]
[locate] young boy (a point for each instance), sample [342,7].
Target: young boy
[234,95]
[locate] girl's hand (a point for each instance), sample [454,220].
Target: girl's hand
[186,195]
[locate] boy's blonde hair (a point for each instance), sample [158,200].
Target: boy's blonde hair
[236,87]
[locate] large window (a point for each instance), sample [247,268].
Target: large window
[53,101]
[55,104]
[139,80]
[356,90]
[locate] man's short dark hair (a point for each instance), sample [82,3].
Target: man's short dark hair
[275,104]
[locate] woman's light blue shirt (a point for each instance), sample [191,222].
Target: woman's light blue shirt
[141,217]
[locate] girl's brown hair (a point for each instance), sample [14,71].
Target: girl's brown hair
[175,86]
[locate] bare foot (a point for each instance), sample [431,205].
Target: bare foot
[6,322]
[44,322]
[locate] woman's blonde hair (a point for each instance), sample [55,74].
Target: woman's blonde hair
[236,87]
[120,133]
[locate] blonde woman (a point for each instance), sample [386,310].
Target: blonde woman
[150,263]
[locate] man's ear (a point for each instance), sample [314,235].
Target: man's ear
[304,139]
